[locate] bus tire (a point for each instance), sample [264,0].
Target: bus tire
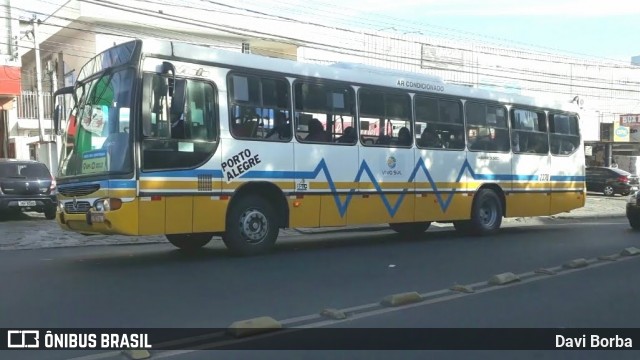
[189,242]
[411,228]
[486,213]
[251,226]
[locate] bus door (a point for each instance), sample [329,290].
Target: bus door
[326,154]
[567,163]
[441,175]
[531,164]
[489,155]
[386,159]
[180,134]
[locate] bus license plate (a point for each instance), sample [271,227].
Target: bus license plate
[97,218]
[26,203]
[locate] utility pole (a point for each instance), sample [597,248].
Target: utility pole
[34,23]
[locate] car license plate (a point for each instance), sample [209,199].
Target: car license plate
[634,188]
[26,203]
[97,218]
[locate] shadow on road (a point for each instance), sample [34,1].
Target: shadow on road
[144,256]
[21,216]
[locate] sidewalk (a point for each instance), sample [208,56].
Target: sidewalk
[32,231]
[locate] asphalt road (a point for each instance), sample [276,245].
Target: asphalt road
[157,286]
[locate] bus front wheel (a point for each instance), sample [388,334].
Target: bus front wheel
[188,242]
[486,213]
[251,226]
[410,229]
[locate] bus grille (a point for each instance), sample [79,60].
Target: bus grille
[80,207]
[204,183]
[78,190]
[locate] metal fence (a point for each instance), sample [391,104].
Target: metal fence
[28,105]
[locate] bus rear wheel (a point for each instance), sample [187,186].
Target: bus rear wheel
[189,242]
[410,229]
[251,226]
[486,213]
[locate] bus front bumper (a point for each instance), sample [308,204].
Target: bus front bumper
[96,222]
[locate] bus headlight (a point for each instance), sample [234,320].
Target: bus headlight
[109,204]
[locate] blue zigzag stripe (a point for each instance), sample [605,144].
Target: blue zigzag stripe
[444,197]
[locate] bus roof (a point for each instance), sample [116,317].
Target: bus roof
[345,72]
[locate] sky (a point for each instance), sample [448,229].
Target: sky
[596,28]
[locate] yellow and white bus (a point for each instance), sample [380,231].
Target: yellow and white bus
[192,142]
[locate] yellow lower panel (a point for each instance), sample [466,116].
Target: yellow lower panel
[123,221]
[528,204]
[566,201]
[209,214]
[428,208]
[151,216]
[372,210]
[329,214]
[179,215]
[307,214]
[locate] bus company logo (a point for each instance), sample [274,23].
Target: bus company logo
[23,339]
[622,131]
[391,162]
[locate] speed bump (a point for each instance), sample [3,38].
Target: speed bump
[333,314]
[630,251]
[462,289]
[545,271]
[504,278]
[576,263]
[137,354]
[253,326]
[401,299]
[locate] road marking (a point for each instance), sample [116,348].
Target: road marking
[374,309]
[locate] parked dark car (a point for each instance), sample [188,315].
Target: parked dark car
[610,181]
[633,210]
[27,185]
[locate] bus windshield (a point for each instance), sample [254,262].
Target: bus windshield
[98,137]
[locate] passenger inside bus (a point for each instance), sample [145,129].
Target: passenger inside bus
[430,138]
[349,136]
[281,129]
[316,131]
[404,137]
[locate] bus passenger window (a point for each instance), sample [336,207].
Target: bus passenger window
[259,108]
[441,123]
[324,113]
[382,116]
[564,134]
[490,126]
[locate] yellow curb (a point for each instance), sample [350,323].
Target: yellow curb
[333,314]
[545,271]
[462,289]
[401,299]
[253,326]
[504,278]
[630,251]
[137,354]
[576,263]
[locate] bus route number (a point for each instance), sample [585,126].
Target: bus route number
[543,177]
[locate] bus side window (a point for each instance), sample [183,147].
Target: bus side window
[259,108]
[382,115]
[190,137]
